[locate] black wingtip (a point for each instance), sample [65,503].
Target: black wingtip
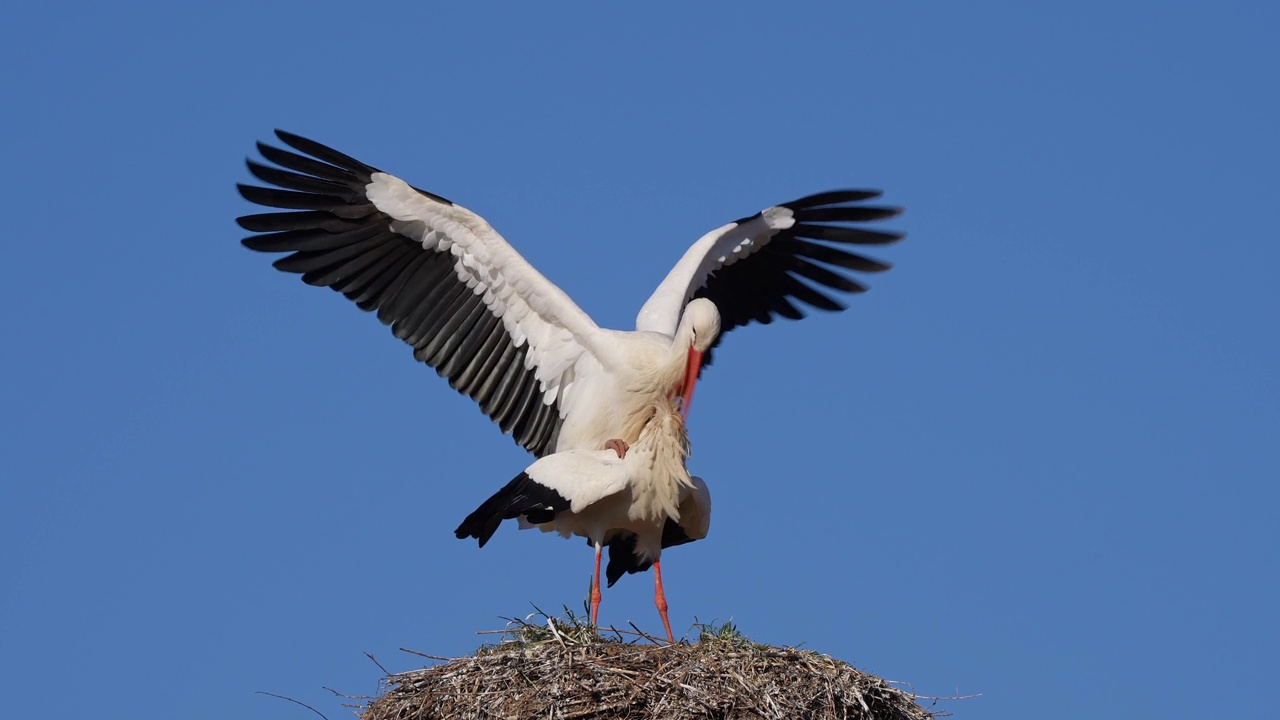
[295,141]
[833,197]
[252,223]
[253,242]
[323,152]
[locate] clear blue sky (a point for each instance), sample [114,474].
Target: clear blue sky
[1038,461]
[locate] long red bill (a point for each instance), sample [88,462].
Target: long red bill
[690,377]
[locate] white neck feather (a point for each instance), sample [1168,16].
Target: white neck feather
[656,463]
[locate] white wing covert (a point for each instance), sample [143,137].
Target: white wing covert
[583,477]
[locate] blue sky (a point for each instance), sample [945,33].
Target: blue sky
[1038,461]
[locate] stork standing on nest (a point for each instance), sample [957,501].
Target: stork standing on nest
[472,308]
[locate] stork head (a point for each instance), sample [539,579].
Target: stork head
[701,323]
[704,322]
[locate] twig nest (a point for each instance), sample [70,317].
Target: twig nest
[564,675]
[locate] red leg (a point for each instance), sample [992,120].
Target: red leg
[660,599]
[595,588]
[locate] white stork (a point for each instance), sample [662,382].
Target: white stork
[472,308]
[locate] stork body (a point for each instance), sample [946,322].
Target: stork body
[471,307]
[631,503]
[645,370]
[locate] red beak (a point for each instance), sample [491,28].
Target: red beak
[690,377]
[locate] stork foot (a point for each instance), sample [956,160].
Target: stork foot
[619,446]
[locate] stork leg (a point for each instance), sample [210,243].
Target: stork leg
[595,587]
[660,599]
[619,446]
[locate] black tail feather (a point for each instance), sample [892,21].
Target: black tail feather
[622,551]
[622,558]
[522,496]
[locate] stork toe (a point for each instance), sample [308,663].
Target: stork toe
[619,446]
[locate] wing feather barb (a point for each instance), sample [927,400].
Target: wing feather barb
[305,183]
[468,352]
[861,213]
[312,261]
[466,381]
[307,220]
[308,166]
[339,276]
[832,197]
[435,310]
[369,283]
[455,331]
[325,153]
[822,276]
[835,256]
[295,200]
[310,240]
[856,236]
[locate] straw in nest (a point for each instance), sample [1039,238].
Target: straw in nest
[565,670]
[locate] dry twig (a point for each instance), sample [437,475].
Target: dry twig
[564,669]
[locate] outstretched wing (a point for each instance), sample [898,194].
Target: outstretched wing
[444,280]
[760,267]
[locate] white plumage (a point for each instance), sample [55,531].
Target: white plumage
[636,504]
[472,308]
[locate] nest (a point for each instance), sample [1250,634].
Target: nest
[566,670]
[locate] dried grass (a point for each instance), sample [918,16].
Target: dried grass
[563,669]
